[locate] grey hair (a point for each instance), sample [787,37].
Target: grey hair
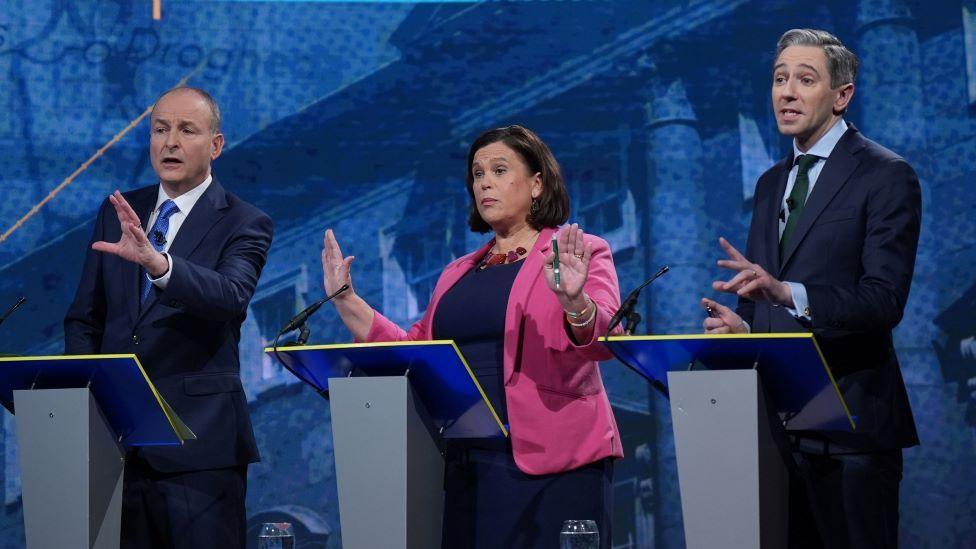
[207,98]
[841,61]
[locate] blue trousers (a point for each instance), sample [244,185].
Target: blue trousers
[491,504]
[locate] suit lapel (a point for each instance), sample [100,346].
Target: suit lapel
[132,273]
[771,216]
[835,174]
[518,298]
[208,210]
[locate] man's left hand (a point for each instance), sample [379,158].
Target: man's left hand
[751,280]
[133,246]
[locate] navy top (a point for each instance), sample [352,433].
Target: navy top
[472,313]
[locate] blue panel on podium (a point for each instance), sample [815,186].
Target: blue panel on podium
[437,371]
[139,416]
[791,366]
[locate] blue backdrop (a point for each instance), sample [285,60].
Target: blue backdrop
[357,116]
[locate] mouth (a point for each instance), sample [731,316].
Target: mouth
[171,162]
[488,201]
[790,114]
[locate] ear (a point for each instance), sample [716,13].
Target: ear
[216,145]
[537,185]
[844,95]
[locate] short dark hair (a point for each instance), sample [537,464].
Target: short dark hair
[210,101]
[841,62]
[553,203]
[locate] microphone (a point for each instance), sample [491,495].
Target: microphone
[301,317]
[14,307]
[627,309]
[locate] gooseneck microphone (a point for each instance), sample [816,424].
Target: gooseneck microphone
[299,323]
[20,301]
[301,317]
[626,310]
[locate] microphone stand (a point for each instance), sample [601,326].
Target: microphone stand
[632,318]
[301,320]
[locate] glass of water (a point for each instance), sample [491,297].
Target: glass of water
[276,535]
[579,534]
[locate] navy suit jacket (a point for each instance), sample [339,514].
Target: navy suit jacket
[854,250]
[186,337]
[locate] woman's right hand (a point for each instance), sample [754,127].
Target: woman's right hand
[335,267]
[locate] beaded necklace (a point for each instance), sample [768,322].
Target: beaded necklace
[500,259]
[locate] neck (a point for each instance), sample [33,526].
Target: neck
[522,235]
[805,143]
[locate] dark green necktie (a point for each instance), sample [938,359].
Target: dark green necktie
[798,198]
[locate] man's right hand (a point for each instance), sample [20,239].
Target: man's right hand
[722,320]
[133,245]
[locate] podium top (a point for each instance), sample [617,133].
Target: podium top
[438,374]
[138,414]
[791,365]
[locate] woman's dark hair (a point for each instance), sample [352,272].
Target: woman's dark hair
[553,203]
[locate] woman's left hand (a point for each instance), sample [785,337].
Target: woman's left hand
[574,265]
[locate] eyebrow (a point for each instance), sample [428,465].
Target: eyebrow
[178,122]
[804,65]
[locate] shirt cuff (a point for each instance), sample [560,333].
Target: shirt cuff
[163,280]
[801,305]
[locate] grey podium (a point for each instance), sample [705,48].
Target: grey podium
[76,416]
[393,405]
[733,398]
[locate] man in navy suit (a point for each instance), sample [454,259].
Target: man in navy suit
[168,277]
[831,250]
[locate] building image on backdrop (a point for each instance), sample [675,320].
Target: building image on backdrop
[357,117]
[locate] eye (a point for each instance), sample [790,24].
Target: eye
[159,129]
[807,81]
[778,79]
[501,170]
[188,131]
[478,174]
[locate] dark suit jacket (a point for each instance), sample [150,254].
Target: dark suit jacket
[186,337]
[854,250]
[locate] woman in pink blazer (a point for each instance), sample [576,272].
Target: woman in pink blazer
[532,343]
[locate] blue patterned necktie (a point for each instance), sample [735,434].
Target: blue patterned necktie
[157,238]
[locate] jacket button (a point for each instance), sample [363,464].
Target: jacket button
[135,338]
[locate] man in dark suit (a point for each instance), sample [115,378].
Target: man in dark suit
[831,250]
[168,277]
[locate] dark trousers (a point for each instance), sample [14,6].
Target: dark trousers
[490,503]
[183,510]
[845,500]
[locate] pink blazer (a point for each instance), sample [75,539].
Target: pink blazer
[559,414]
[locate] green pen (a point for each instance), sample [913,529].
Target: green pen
[555,262]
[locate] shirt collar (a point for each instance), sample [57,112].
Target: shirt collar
[826,144]
[186,200]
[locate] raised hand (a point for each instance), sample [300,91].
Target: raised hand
[335,267]
[133,245]
[751,281]
[722,320]
[574,266]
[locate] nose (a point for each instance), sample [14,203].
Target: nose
[789,89]
[172,140]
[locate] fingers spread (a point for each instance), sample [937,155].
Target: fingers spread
[730,250]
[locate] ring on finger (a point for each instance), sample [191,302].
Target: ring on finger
[754,273]
[578,256]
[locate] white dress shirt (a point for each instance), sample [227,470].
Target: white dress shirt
[185,203]
[821,148]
